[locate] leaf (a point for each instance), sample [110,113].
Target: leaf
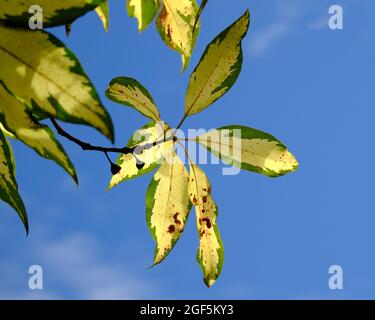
[143,10]
[55,13]
[167,205]
[18,120]
[103,13]
[151,157]
[40,71]
[6,132]
[210,255]
[8,185]
[200,10]
[218,68]
[249,149]
[131,93]
[175,25]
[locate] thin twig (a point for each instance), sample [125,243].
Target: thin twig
[124,150]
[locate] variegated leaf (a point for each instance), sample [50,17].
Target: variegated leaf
[210,253]
[131,93]
[143,10]
[175,25]
[18,120]
[55,13]
[250,149]
[46,76]
[6,132]
[103,13]
[151,157]
[8,185]
[218,68]
[167,205]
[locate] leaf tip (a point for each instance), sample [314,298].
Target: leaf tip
[75,178]
[26,224]
[110,134]
[209,282]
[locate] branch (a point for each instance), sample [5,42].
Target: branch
[123,150]
[85,145]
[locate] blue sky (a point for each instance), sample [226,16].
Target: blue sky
[311,87]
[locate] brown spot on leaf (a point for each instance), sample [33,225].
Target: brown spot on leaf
[176,220]
[204,199]
[208,222]
[171,228]
[195,201]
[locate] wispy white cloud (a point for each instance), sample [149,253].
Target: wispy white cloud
[268,37]
[73,268]
[289,16]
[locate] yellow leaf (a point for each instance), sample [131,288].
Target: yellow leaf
[130,92]
[38,69]
[167,205]
[152,157]
[250,149]
[210,253]
[175,24]
[103,14]
[218,68]
[17,119]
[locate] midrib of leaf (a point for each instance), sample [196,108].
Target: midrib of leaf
[43,75]
[199,203]
[205,83]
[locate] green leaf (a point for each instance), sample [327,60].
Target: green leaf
[143,10]
[175,25]
[46,76]
[210,255]
[55,13]
[18,120]
[152,157]
[249,149]
[167,205]
[218,68]
[103,13]
[130,92]
[8,185]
